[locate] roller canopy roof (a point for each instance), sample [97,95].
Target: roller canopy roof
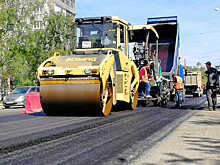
[107,19]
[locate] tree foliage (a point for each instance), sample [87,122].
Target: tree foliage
[23,49]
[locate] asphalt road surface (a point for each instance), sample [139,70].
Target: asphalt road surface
[119,138]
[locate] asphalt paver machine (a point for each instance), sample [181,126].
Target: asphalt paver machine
[145,50]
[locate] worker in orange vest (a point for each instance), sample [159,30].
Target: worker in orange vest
[178,86]
[144,78]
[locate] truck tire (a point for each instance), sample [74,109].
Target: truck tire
[164,103]
[195,94]
[172,97]
[143,103]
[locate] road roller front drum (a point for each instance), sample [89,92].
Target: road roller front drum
[76,98]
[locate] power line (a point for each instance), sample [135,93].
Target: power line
[79,9]
[200,41]
[214,60]
[201,33]
[90,9]
[206,55]
[209,53]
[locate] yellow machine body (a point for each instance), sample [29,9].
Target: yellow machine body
[96,76]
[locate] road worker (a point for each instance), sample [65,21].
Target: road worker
[178,86]
[212,85]
[144,78]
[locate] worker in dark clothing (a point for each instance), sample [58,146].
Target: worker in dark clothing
[211,86]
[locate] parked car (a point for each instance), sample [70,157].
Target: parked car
[18,96]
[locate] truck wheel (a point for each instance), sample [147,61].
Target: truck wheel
[143,103]
[195,95]
[172,97]
[138,103]
[7,106]
[164,103]
[155,103]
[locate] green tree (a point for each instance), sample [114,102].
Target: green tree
[43,43]
[23,49]
[13,28]
[58,33]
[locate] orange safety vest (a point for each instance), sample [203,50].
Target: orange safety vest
[144,78]
[179,83]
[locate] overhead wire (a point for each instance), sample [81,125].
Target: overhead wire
[82,3]
[83,14]
[209,53]
[212,55]
[90,9]
[183,35]
[200,41]
[199,56]
[201,33]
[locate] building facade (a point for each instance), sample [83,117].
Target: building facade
[67,7]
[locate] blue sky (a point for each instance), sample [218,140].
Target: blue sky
[198,21]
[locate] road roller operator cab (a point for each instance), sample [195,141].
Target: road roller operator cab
[98,74]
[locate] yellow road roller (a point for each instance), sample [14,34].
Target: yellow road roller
[97,75]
